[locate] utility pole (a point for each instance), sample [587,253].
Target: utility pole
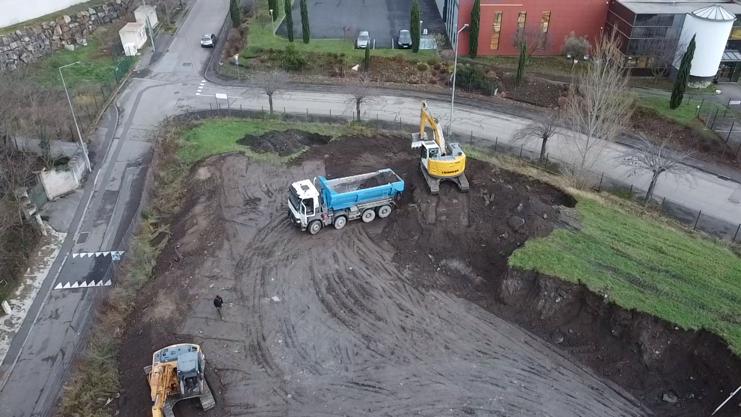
[455,69]
[74,117]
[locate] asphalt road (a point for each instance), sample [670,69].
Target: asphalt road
[31,374]
[40,355]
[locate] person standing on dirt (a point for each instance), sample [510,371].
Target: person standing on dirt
[218,302]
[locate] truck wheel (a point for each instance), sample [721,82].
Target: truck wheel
[384,211]
[315,227]
[369,215]
[340,222]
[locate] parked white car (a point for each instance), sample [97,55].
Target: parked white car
[208,40]
[363,40]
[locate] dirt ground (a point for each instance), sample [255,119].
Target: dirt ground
[379,319]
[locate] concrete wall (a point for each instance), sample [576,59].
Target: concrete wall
[17,11]
[583,17]
[58,148]
[58,182]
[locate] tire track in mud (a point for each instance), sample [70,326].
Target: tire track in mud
[334,328]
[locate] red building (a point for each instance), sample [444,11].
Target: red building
[542,21]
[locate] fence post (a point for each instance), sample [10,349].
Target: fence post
[631,191]
[697,220]
[602,177]
[496,140]
[521,146]
[730,130]
[715,117]
[735,235]
[330,112]
[307,113]
[284,110]
[470,137]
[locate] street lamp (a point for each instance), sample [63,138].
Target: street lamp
[74,117]
[272,22]
[455,69]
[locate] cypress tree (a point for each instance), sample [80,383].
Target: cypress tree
[289,19]
[305,21]
[366,63]
[683,76]
[414,25]
[521,63]
[235,13]
[473,38]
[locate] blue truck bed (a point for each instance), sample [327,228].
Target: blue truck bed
[343,193]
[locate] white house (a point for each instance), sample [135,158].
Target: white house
[133,37]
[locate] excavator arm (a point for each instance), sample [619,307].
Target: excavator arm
[163,381]
[426,119]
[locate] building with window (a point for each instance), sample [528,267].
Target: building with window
[545,23]
[655,33]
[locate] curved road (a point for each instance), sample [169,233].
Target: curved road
[39,357]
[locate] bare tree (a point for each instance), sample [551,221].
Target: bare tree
[598,105]
[360,94]
[271,83]
[543,128]
[656,157]
[533,38]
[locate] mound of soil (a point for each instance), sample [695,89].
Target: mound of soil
[283,143]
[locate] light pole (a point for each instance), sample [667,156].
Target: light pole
[272,22]
[455,69]
[74,117]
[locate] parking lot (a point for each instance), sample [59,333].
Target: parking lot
[340,19]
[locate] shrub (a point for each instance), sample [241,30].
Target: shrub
[433,62]
[292,60]
[576,46]
[472,78]
[422,67]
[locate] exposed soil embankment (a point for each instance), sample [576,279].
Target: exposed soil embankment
[674,371]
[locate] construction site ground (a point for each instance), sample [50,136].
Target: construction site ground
[393,318]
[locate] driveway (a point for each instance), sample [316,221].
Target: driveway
[345,18]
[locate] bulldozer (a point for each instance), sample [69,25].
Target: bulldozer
[439,161]
[176,374]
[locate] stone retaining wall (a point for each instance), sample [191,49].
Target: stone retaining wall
[30,43]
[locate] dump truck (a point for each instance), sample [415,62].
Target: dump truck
[315,204]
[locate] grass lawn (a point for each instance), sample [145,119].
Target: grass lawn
[96,67]
[643,265]
[260,37]
[219,136]
[685,114]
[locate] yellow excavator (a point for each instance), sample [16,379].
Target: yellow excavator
[176,374]
[439,160]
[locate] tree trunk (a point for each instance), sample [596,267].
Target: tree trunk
[651,187]
[542,150]
[270,102]
[357,108]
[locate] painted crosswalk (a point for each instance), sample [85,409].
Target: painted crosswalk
[201,86]
[114,254]
[83,284]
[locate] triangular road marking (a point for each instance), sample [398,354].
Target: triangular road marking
[75,255]
[66,285]
[58,287]
[75,285]
[108,283]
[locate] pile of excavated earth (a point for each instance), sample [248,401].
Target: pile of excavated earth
[415,314]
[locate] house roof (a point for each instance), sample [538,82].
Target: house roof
[731,7]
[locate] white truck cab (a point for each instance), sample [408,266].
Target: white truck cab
[303,202]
